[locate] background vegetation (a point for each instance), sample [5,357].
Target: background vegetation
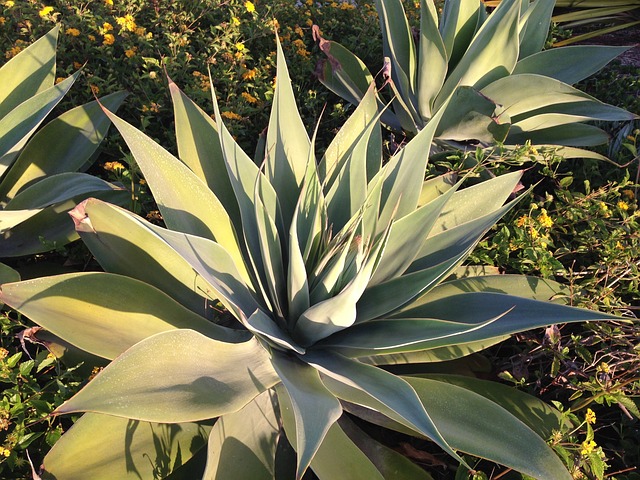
[579,225]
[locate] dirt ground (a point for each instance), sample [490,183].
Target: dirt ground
[630,36]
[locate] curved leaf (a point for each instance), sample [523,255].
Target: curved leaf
[177,376]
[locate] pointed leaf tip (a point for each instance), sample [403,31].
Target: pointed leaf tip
[80,218]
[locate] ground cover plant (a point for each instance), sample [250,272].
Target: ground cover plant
[598,361]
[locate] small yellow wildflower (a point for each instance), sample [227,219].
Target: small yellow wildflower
[45,11]
[622,205]
[4,420]
[347,6]
[113,167]
[3,353]
[544,219]
[96,370]
[240,47]
[249,6]
[619,245]
[9,3]
[109,3]
[249,98]
[142,181]
[77,65]
[522,221]
[59,79]
[128,23]
[231,115]
[309,22]
[109,39]
[235,21]
[2,20]
[5,452]
[92,38]
[13,51]
[533,232]
[299,31]
[249,74]
[604,367]
[588,447]
[94,89]
[74,32]
[106,27]
[153,75]
[140,31]
[130,52]
[590,416]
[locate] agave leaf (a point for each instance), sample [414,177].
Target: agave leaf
[18,125]
[575,134]
[154,380]
[287,147]
[124,449]
[493,53]
[571,112]
[436,186]
[11,218]
[8,274]
[568,64]
[534,32]
[375,388]
[407,237]
[57,189]
[343,73]
[264,327]
[533,412]
[315,409]
[432,59]
[186,203]
[460,20]
[467,419]
[338,456]
[243,444]
[360,128]
[398,45]
[198,140]
[123,311]
[30,72]
[63,145]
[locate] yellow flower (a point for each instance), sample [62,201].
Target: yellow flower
[347,6]
[130,52]
[299,31]
[106,27]
[109,39]
[3,353]
[622,205]
[249,74]
[587,447]
[113,166]
[153,75]
[521,221]
[109,3]
[45,11]
[140,31]
[249,98]
[231,115]
[235,21]
[249,6]
[77,65]
[59,79]
[74,32]
[94,89]
[127,22]
[5,452]
[604,367]
[533,232]
[544,219]
[13,51]
[91,38]
[240,47]
[9,3]
[2,20]
[590,416]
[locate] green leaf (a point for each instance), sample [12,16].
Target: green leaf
[534,32]
[123,311]
[186,202]
[177,376]
[65,144]
[432,59]
[573,134]
[287,147]
[377,389]
[476,425]
[338,456]
[30,72]
[314,407]
[460,19]
[569,64]
[124,449]
[17,126]
[198,140]
[493,53]
[243,444]
[263,326]
[8,274]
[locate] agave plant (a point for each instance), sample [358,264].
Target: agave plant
[261,318]
[40,171]
[505,87]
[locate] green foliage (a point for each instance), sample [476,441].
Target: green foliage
[505,87]
[39,182]
[328,271]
